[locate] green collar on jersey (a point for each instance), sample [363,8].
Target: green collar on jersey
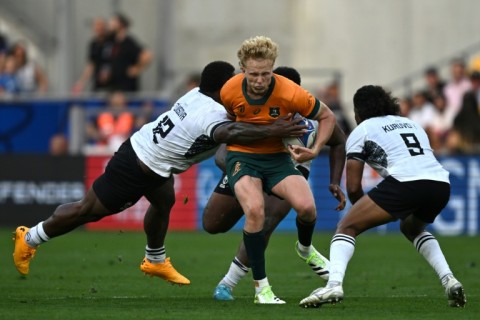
[262,100]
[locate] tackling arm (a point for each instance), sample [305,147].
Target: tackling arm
[244,133]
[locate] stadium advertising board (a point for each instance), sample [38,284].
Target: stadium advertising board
[461,216]
[182,217]
[32,186]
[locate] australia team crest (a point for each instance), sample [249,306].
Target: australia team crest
[274,112]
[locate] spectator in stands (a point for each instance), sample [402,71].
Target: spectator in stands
[127,58]
[406,106]
[434,84]
[114,125]
[145,115]
[331,97]
[8,81]
[440,125]
[58,145]
[423,112]
[96,70]
[30,76]
[3,50]
[465,135]
[456,88]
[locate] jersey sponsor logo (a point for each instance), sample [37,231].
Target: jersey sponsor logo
[241,109]
[180,111]
[274,112]
[237,168]
[257,111]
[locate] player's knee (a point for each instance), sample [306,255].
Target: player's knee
[410,231]
[306,211]
[211,227]
[345,227]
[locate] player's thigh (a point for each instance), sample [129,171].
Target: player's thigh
[221,213]
[296,191]
[363,215]
[249,193]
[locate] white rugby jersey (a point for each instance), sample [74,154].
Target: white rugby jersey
[181,136]
[395,146]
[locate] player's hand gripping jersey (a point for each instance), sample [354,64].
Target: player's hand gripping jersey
[395,146]
[283,97]
[181,136]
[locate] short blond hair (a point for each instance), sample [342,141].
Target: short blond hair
[259,47]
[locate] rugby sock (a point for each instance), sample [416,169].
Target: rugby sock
[36,236]
[305,232]
[235,273]
[260,284]
[341,251]
[157,255]
[304,251]
[255,246]
[428,247]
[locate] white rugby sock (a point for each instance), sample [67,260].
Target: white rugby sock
[341,251]
[428,247]
[36,236]
[235,273]
[260,284]
[156,255]
[304,250]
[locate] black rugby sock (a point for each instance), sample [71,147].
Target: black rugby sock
[255,246]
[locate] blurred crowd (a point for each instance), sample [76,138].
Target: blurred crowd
[449,110]
[19,73]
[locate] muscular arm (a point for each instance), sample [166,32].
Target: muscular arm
[337,157]
[220,157]
[326,124]
[354,179]
[244,133]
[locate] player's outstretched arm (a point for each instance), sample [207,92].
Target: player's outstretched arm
[244,133]
[337,156]
[354,179]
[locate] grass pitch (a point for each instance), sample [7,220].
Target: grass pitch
[93,275]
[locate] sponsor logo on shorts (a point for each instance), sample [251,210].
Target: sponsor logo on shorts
[126,205]
[237,168]
[257,111]
[224,183]
[274,112]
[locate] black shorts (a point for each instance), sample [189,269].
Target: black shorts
[124,182]
[224,188]
[425,199]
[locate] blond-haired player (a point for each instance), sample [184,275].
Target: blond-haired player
[258,96]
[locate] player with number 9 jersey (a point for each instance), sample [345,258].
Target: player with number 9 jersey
[395,146]
[415,190]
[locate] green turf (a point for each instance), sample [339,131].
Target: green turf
[95,276]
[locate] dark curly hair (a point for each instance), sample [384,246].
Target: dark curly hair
[289,73]
[373,101]
[214,76]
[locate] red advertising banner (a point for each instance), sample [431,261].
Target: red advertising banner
[182,217]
